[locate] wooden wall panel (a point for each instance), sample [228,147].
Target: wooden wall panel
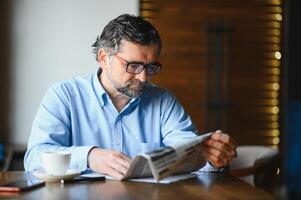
[4,69]
[222,60]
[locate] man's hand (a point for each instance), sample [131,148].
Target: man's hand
[220,148]
[109,162]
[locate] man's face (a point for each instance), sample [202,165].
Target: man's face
[114,71]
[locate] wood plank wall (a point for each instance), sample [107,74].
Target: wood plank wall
[222,60]
[4,69]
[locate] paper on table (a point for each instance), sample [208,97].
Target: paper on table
[167,180]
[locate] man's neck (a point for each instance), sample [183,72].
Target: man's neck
[119,100]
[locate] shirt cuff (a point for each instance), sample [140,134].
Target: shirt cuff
[210,168]
[79,158]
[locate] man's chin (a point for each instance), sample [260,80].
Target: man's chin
[131,93]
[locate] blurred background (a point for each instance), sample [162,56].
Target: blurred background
[234,65]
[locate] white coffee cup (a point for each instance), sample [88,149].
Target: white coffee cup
[56,162]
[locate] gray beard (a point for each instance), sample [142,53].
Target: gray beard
[133,93]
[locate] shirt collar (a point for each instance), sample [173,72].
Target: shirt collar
[98,88]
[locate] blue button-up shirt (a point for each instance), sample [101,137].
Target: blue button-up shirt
[77,114]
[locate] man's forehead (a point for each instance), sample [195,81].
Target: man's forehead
[124,45]
[134,52]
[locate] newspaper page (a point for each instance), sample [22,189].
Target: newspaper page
[182,157]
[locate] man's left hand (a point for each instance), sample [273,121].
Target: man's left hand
[220,149]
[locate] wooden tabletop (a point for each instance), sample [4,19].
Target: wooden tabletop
[206,186]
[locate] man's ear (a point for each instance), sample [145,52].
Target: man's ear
[102,58]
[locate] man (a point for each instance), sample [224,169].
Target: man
[108,118]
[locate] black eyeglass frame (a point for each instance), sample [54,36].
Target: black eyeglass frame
[140,67]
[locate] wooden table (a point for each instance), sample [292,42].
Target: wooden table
[206,186]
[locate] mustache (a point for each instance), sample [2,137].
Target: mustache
[134,88]
[140,84]
[136,81]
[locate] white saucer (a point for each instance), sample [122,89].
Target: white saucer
[52,178]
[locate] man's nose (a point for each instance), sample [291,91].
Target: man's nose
[142,76]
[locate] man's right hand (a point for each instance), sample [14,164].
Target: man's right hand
[109,162]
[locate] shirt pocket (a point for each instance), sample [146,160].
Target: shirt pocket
[147,147]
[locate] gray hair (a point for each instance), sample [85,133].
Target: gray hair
[126,27]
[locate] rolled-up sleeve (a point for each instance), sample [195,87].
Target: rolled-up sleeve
[51,131]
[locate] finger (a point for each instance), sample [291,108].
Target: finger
[216,144]
[118,155]
[123,161]
[118,166]
[117,161]
[110,168]
[218,153]
[220,147]
[220,136]
[216,161]
[224,138]
[114,173]
[217,156]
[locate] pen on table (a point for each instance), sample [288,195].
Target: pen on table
[79,179]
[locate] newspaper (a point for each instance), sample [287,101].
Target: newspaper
[177,159]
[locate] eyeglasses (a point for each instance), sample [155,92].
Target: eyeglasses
[136,67]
